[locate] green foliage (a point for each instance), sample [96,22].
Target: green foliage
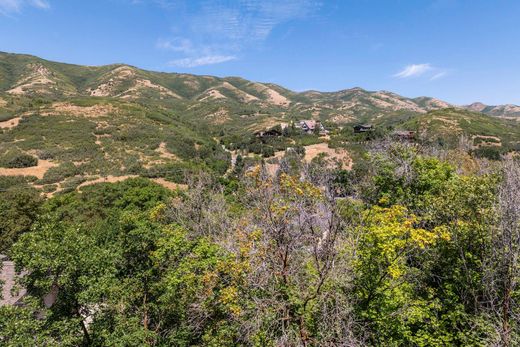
[107,254]
[404,177]
[20,328]
[59,173]
[17,159]
[19,208]
[492,153]
[400,251]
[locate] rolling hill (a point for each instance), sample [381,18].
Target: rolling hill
[65,125]
[23,75]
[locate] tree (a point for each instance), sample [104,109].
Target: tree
[504,266]
[292,245]
[387,286]
[19,209]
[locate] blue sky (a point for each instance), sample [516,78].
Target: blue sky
[456,50]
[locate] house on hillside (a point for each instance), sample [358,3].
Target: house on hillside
[363,128]
[311,126]
[268,133]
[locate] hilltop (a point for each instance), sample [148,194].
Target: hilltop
[505,111]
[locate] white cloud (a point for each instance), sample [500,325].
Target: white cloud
[414,70]
[250,20]
[40,4]
[8,7]
[439,75]
[225,28]
[422,70]
[201,61]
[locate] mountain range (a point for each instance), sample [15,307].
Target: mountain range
[82,123]
[24,75]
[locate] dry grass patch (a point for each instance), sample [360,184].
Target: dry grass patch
[36,78]
[333,155]
[85,111]
[170,185]
[240,93]
[11,123]
[221,116]
[339,155]
[141,84]
[212,94]
[164,153]
[37,171]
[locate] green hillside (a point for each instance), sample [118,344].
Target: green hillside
[66,124]
[448,125]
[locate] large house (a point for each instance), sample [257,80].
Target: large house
[310,126]
[363,128]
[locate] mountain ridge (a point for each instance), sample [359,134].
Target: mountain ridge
[80,123]
[504,111]
[121,80]
[32,76]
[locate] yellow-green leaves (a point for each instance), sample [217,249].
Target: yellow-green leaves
[392,233]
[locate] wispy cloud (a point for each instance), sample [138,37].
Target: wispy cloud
[226,28]
[414,70]
[40,4]
[176,44]
[201,61]
[421,70]
[250,20]
[9,7]
[438,75]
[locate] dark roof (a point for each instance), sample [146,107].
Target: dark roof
[271,132]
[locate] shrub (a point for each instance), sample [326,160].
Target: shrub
[492,153]
[267,152]
[50,188]
[59,173]
[17,159]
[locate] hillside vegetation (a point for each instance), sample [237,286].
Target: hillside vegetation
[161,209]
[401,251]
[66,124]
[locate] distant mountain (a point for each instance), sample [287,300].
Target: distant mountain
[24,75]
[506,111]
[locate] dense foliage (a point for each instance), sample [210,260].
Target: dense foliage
[405,250]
